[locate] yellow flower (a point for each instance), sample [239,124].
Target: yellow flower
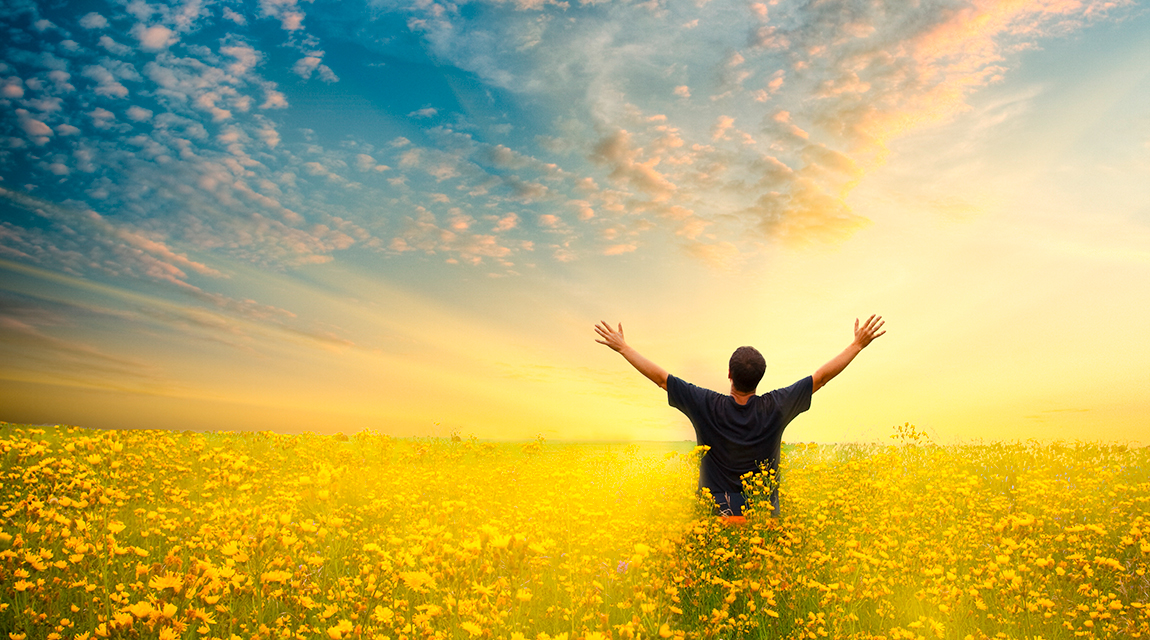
[416,580]
[343,627]
[471,628]
[275,576]
[141,609]
[166,581]
[122,619]
[500,542]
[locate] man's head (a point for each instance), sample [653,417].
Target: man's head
[746,369]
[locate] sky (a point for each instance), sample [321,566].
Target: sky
[408,216]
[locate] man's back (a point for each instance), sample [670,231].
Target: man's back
[743,438]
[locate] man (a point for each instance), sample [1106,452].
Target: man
[743,430]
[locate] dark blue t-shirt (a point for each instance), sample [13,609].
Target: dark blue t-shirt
[743,438]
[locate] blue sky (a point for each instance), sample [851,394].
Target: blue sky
[344,210]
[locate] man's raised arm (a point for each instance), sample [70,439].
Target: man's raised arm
[614,338]
[863,337]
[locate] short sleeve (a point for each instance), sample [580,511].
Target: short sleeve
[794,399]
[678,392]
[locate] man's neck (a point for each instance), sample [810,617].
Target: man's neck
[739,396]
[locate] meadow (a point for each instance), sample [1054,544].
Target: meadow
[153,534]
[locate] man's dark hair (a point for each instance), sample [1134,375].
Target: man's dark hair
[747,368]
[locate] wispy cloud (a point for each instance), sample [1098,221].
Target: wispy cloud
[33,353]
[747,125]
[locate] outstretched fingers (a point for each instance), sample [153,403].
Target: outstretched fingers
[873,324]
[869,330]
[611,337]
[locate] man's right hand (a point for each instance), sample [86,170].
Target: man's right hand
[868,331]
[863,336]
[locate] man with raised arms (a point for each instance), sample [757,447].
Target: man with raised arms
[744,431]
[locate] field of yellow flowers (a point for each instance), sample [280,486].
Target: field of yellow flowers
[153,534]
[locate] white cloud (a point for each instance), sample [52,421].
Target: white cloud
[234,17]
[274,100]
[721,126]
[13,87]
[207,102]
[60,80]
[507,222]
[317,169]
[93,21]
[107,85]
[615,150]
[619,249]
[583,209]
[245,58]
[113,47]
[291,20]
[155,37]
[101,117]
[287,11]
[269,135]
[312,63]
[35,129]
[410,158]
[365,162]
[139,114]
